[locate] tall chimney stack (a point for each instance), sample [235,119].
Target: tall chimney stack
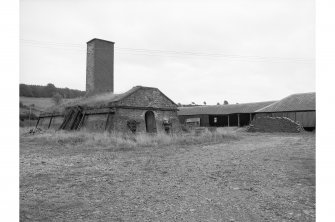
[99,66]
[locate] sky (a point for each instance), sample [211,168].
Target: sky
[193,51]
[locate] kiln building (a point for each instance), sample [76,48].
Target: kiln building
[140,109]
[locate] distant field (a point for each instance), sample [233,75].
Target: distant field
[40,103]
[232,176]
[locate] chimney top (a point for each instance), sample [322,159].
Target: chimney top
[96,39]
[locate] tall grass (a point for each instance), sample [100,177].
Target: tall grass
[118,140]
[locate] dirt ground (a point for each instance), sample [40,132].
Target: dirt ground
[258,177]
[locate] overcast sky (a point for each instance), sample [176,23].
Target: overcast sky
[194,51]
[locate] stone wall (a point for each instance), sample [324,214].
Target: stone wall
[274,124]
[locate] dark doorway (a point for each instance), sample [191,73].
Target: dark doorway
[218,120]
[150,122]
[244,119]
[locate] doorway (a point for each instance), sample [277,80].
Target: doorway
[150,122]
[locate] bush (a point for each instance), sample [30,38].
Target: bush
[57,98]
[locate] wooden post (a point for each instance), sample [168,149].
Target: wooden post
[50,122]
[106,125]
[29,116]
[238,120]
[81,121]
[228,121]
[250,118]
[37,122]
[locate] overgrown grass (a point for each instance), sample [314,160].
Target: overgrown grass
[119,141]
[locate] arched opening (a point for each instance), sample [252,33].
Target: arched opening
[150,122]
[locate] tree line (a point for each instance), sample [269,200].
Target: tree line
[48,91]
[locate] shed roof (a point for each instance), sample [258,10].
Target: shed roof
[223,109]
[294,102]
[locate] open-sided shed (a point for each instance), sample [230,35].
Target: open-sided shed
[222,115]
[298,107]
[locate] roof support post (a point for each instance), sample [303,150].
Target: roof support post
[238,120]
[228,121]
[50,122]
[37,122]
[250,118]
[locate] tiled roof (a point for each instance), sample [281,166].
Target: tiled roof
[295,102]
[223,109]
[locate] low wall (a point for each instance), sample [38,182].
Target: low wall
[274,124]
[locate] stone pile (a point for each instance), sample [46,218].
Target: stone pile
[274,124]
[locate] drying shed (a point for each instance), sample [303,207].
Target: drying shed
[140,109]
[221,115]
[297,107]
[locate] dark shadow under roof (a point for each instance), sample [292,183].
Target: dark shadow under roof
[223,109]
[294,102]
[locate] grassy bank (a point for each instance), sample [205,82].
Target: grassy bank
[119,141]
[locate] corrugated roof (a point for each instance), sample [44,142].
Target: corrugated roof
[223,109]
[294,102]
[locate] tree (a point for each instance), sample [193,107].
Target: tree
[179,104]
[218,104]
[57,98]
[50,90]
[205,103]
[225,102]
[193,103]
[25,90]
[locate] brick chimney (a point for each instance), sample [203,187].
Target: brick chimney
[99,66]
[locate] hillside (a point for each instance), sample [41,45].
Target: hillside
[35,106]
[39,103]
[48,91]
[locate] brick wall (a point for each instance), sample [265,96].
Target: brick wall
[147,97]
[121,116]
[95,122]
[100,66]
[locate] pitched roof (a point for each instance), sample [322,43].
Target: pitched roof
[98,100]
[223,109]
[294,102]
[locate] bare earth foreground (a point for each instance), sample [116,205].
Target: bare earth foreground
[254,177]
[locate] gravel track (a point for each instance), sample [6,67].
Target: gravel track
[260,177]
